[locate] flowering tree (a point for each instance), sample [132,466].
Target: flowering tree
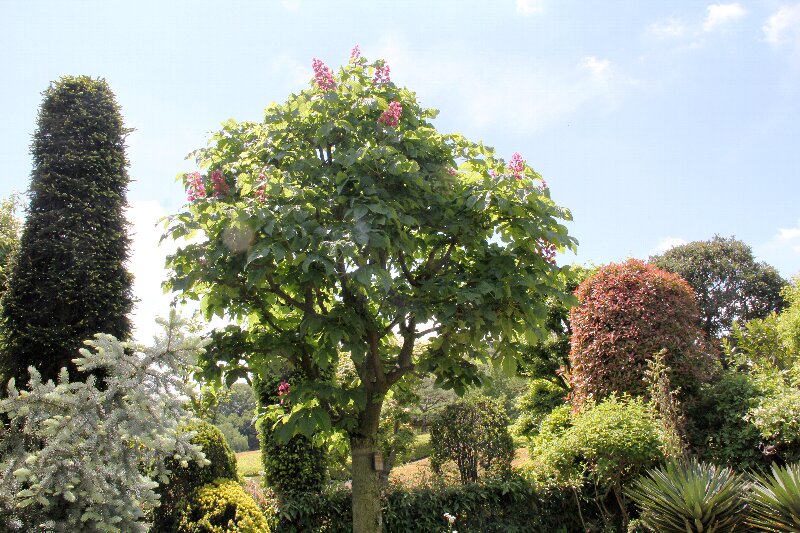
[346,225]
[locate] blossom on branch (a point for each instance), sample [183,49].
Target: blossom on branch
[382,75]
[195,190]
[391,117]
[323,76]
[516,165]
[221,187]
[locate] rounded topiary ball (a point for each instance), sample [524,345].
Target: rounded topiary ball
[222,506]
[627,313]
[184,479]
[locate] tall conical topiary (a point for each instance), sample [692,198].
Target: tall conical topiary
[69,281]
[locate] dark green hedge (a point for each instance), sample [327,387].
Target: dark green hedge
[69,280]
[291,466]
[492,506]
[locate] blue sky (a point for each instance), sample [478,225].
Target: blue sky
[654,122]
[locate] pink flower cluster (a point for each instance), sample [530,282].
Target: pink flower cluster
[355,54]
[221,187]
[382,75]
[323,75]
[391,117]
[284,388]
[261,192]
[516,165]
[195,190]
[452,171]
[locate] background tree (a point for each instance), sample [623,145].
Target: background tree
[547,357]
[69,280]
[233,411]
[789,323]
[472,433]
[346,225]
[626,314]
[730,285]
[10,227]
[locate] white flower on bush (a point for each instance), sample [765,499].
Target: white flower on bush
[79,457]
[450,521]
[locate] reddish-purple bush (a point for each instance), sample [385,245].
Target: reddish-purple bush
[627,312]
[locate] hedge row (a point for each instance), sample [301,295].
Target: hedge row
[490,506]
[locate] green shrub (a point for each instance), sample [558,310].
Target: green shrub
[294,466]
[185,479]
[789,322]
[607,443]
[775,500]
[493,506]
[474,435]
[718,428]
[597,449]
[542,397]
[777,418]
[691,497]
[222,506]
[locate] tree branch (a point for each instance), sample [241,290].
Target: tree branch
[401,259]
[426,331]
[289,300]
[405,363]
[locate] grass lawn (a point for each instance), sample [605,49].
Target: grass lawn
[249,463]
[412,472]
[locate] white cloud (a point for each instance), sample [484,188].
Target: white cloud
[530,7]
[147,265]
[782,250]
[672,28]
[284,66]
[720,15]
[523,94]
[291,5]
[666,243]
[784,26]
[596,66]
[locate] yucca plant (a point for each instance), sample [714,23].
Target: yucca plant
[775,500]
[691,497]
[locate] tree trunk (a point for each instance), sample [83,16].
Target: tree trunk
[366,479]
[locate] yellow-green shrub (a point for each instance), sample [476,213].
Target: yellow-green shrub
[185,479]
[222,506]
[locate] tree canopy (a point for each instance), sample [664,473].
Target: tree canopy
[10,227]
[730,285]
[344,225]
